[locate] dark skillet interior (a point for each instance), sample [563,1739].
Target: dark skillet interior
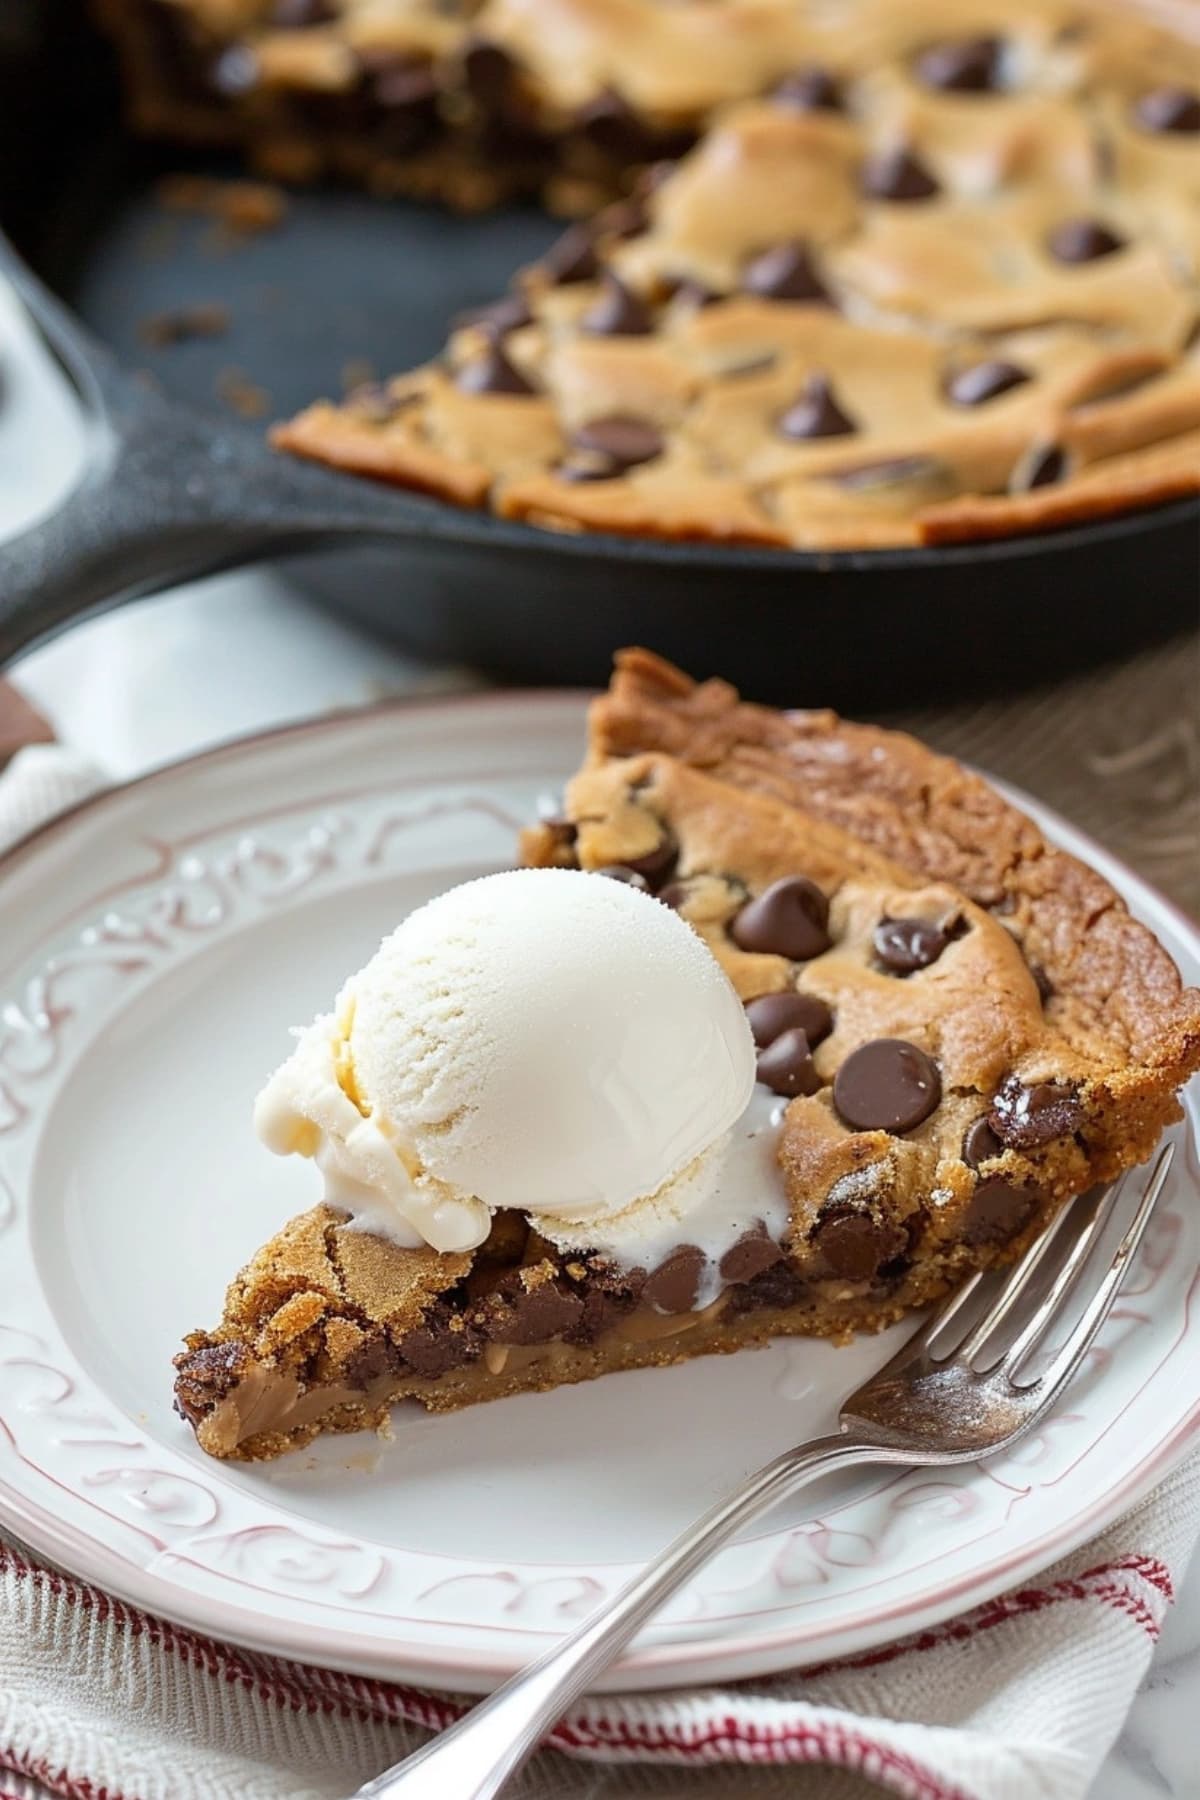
[351,281]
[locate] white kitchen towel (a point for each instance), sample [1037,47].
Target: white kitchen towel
[1019,1699]
[40,781]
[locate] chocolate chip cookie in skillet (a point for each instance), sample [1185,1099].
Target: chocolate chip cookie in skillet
[954,1028]
[940,281]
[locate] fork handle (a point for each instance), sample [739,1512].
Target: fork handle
[472,1759]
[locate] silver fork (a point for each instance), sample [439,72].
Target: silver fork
[964,1386]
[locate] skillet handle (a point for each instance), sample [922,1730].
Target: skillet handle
[166,495]
[171,496]
[99,550]
[147,509]
[150,511]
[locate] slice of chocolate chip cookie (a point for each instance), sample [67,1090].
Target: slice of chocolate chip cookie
[939,1104]
[956,1028]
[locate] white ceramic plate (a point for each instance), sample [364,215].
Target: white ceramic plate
[156,944]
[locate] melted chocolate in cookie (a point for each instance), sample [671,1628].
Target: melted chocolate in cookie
[816,414]
[1082,241]
[812,89]
[790,919]
[492,373]
[1025,1117]
[618,312]
[964,66]
[983,381]
[886,1085]
[784,272]
[897,175]
[786,1065]
[773,1014]
[902,946]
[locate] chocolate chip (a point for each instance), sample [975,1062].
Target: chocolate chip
[1041,982]
[886,1085]
[897,175]
[786,1065]
[980,1144]
[984,381]
[492,373]
[1024,1118]
[855,1245]
[789,919]
[618,312]
[777,1287]
[674,895]
[905,945]
[375,1357]
[618,442]
[291,15]
[1082,241]
[207,1375]
[502,316]
[815,414]
[622,872]
[996,1212]
[1044,465]
[533,1316]
[443,1340]
[571,258]
[811,89]
[784,272]
[611,126]
[675,1284]
[657,865]
[1168,109]
[600,1313]
[772,1014]
[489,72]
[964,66]
[754,1253]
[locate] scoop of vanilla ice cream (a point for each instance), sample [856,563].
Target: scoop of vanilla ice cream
[542,1039]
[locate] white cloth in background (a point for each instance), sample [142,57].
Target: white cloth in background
[41,780]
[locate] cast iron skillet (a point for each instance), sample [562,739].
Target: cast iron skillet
[174,489]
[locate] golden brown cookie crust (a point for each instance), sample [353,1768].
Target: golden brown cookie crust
[1116,1025]
[934,818]
[1039,987]
[988,324]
